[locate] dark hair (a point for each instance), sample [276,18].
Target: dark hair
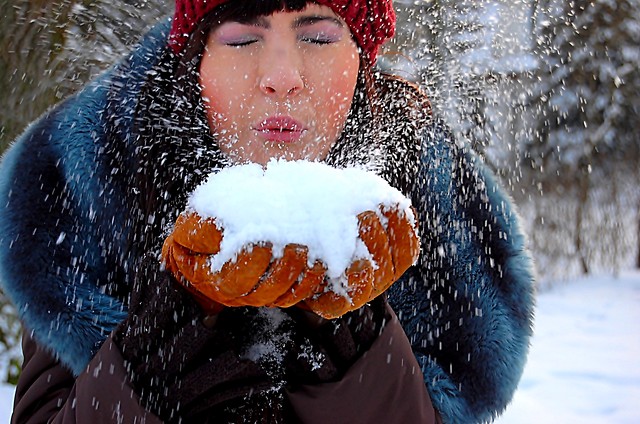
[176,147]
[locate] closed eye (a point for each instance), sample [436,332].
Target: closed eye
[241,43]
[235,34]
[318,40]
[320,30]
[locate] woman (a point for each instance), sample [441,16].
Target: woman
[90,189]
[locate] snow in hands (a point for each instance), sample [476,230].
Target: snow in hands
[299,202]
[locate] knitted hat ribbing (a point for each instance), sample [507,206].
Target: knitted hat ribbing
[372,22]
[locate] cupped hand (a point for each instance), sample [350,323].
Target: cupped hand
[393,247]
[257,278]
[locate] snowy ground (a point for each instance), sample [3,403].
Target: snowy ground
[6,401]
[584,365]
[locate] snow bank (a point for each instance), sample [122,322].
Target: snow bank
[584,366]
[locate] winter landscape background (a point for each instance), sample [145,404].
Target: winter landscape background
[547,91]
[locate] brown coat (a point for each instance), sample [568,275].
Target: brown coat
[385,385]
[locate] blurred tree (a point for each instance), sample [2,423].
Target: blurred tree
[587,135]
[547,92]
[49,49]
[27,29]
[474,59]
[10,354]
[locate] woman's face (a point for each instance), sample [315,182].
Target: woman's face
[279,86]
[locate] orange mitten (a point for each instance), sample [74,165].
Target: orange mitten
[254,278]
[393,250]
[186,252]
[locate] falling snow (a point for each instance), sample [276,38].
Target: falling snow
[506,77]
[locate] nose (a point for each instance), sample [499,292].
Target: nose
[281,73]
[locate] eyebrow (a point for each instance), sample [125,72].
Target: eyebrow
[310,20]
[263,22]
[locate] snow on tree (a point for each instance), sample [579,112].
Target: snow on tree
[547,92]
[585,143]
[589,86]
[474,58]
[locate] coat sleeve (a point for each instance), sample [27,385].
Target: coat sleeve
[384,385]
[467,305]
[48,391]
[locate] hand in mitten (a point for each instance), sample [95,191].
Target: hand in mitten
[393,247]
[254,278]
[177,364]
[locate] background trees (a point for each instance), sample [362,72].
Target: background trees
[547,92]
[49,49]
[586,131]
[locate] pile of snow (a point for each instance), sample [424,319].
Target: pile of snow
[300,202]
[584,364]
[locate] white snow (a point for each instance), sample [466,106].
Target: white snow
[584,365]
[307,203]
[269,342]
[6,402]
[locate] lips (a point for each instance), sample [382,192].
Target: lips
[280,129]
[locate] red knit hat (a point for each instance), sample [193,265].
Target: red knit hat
[372,22]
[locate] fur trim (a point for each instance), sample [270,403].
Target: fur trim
[468,306]
[61,245]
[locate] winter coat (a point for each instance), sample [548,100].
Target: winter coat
[466,306]
[102,393]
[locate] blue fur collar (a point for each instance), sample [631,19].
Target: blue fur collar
[60,226]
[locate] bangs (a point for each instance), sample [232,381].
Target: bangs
[247,10]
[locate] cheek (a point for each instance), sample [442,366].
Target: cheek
[222,91]
[216,99]
[345,88]
[337,90]
[209,91]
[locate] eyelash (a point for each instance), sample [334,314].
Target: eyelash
[311,40]
[317,40]
[241,43]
